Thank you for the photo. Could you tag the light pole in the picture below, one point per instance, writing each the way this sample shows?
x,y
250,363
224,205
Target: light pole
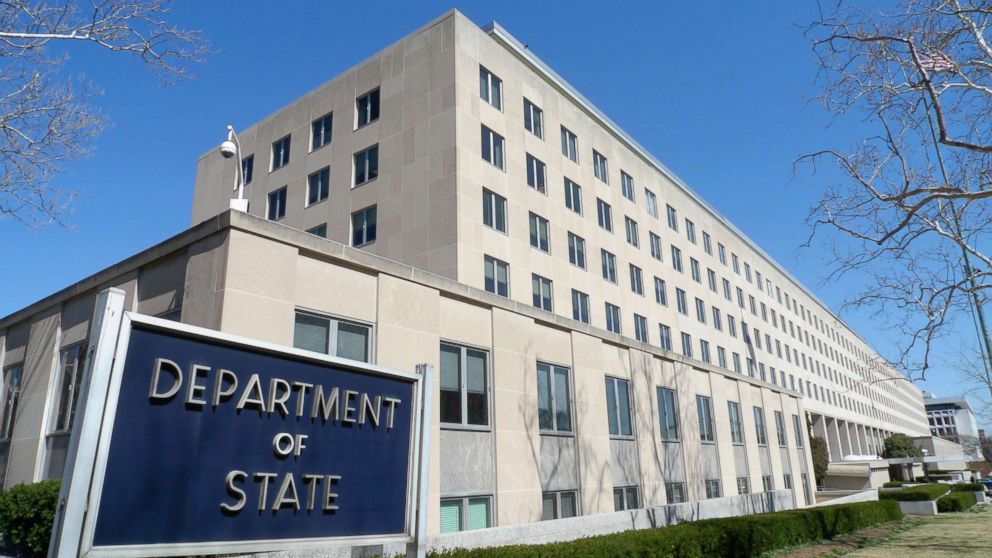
x,y
231,147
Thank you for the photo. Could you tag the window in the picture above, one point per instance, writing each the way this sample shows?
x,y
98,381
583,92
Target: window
x,y
536,172
636,282
736,422
726,290
717,323
569,144
705,412
318,186
558,505
668,414
363,226
493,210
464,514
599,166
320,131
366,165
277,204
533,119
721,355
660,294
736,263
247,168
680,301
652,203
280,153
795,423
780,429
576,250
542,292
722,251
743,485
787,481
492,148
580,306
11,397
694,270
711,279
700,311
690,231
605,214
759,426
490,88
367,108
331,336
609,266
675,492
673,219
627,186
767,484
618,406
573,196
712,488
70,374
655,242
539,233
641,328
665,333
687,345
704,351
676,258
553,401
737,363
632,237
319,230
464,386
707,243
497,276
613,318
625,498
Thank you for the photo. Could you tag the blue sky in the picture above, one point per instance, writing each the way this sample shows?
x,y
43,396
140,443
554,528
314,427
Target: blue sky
x,y
719,91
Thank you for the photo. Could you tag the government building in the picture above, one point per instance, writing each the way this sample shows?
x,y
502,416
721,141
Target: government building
x,y
604,340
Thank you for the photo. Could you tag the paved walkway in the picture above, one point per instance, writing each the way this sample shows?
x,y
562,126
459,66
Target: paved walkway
x,y
954,534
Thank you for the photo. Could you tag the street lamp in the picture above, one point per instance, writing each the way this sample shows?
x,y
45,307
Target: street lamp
x,y
231,147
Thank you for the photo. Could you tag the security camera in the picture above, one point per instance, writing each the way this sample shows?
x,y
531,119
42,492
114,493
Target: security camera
x,y
228,150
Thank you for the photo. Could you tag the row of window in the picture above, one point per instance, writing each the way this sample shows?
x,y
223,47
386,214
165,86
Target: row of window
x,y
494,150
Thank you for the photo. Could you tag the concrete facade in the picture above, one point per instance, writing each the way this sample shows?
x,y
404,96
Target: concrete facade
x,y
247,276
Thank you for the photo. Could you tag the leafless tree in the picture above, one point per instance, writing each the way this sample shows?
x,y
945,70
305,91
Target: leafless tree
x,y
908,206
45,119
985,444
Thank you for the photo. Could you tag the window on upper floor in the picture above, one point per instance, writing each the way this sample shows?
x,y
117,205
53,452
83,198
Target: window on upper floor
x,y
573,196
332,336
604,214
633,238
367,165
277,204
576,250
280,153
673,218
580,306
569,144
541,290
497,276
493,210
599,166
533,119
613,318
363,226
539,234
651,201
536,172
318,186
492,148
248,168
320,131
367,108
490,88
627,185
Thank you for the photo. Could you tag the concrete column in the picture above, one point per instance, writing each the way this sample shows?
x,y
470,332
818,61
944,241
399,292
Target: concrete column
x,y
833,440
820,430
857,447
844,434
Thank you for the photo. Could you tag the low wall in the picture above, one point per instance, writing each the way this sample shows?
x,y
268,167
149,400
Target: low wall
x,y
919,508
571,528
849,498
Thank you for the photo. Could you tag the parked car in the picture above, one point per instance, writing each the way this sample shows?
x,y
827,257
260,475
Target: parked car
x,y
987,483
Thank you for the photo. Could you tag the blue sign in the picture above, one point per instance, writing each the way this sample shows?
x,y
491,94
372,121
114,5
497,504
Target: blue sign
x,y
217,442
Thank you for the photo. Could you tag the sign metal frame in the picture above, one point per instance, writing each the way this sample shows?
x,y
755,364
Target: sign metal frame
x,y
84,476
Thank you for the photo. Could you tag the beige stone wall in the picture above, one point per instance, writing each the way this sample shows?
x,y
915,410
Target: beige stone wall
x,y
414,192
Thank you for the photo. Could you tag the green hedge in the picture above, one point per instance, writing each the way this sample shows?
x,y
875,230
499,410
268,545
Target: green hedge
x,y
921,493
27,512
956,502
968,487
893,484
734,537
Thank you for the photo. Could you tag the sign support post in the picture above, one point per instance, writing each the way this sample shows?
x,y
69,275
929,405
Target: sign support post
x,y
418,548
105,328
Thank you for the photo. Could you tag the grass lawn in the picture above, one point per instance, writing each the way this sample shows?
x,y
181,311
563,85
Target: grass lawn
x,y
954,534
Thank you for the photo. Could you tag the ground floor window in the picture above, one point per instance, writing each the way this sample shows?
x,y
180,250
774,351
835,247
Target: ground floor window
x,y
625,498
743,486
331,336
787,481
675,491
464,514
767,485
806,490
558,505
713,488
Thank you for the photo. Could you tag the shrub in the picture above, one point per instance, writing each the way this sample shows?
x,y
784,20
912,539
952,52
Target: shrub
x,y
818,451
956,501
27,512
899,445
893,484
732,537
916,494
968,487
